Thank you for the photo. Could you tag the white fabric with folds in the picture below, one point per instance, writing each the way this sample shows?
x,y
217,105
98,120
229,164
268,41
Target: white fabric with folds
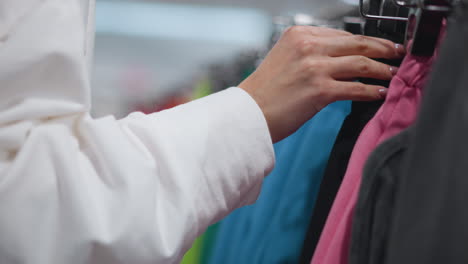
x,y
77,190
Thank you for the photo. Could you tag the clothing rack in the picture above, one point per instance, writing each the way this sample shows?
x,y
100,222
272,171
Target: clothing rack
x,y
424,21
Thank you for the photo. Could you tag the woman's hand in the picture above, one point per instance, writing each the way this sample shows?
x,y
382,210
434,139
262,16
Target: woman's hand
x,y
311,67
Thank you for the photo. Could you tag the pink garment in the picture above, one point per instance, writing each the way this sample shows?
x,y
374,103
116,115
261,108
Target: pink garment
x,y
397,113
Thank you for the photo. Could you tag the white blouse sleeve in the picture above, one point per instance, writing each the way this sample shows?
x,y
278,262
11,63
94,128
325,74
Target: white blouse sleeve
x,y
137,190
209,157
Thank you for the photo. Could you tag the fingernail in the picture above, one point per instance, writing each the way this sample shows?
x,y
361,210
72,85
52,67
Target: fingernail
x,y
400,49
393,70
383,92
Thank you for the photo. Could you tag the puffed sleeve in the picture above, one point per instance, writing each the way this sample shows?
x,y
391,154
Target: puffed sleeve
x,y
202,160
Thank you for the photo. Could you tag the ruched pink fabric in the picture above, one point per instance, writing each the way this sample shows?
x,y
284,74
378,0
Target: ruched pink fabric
x,y
397,113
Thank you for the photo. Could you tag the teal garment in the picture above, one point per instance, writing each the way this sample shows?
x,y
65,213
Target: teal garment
x,y
273,229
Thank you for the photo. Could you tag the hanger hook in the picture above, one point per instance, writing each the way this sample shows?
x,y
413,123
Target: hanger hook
x,y
390,18
403,3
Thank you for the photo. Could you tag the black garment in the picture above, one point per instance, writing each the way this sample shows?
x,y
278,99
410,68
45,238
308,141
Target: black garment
x,y
374,207
431,205
361,113
412,206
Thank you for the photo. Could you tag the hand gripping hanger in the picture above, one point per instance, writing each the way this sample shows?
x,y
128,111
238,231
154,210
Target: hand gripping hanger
x,y
424,22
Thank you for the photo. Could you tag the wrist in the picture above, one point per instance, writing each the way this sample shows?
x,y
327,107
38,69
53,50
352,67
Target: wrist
x,y
249,86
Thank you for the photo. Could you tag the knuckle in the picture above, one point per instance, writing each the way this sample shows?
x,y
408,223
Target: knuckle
x,y
314,66
359,89
360,39
310,65
363,65
314,29
362,45
362,48
294,30
305,47
318,86
364,69
296,36
361,59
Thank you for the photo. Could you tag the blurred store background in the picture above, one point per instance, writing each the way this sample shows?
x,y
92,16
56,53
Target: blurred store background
x,y
151,55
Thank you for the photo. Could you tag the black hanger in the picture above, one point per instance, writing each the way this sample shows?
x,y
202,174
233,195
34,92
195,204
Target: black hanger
x,y
392,30
424,25
424,22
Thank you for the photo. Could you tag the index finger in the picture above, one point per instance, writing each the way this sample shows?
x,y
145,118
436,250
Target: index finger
x,y
328,32
365,46
318,31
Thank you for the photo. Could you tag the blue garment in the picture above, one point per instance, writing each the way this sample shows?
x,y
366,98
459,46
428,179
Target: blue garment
x,y
273,229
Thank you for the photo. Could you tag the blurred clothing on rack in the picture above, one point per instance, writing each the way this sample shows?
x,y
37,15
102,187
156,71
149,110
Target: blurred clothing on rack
x,y
413,203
